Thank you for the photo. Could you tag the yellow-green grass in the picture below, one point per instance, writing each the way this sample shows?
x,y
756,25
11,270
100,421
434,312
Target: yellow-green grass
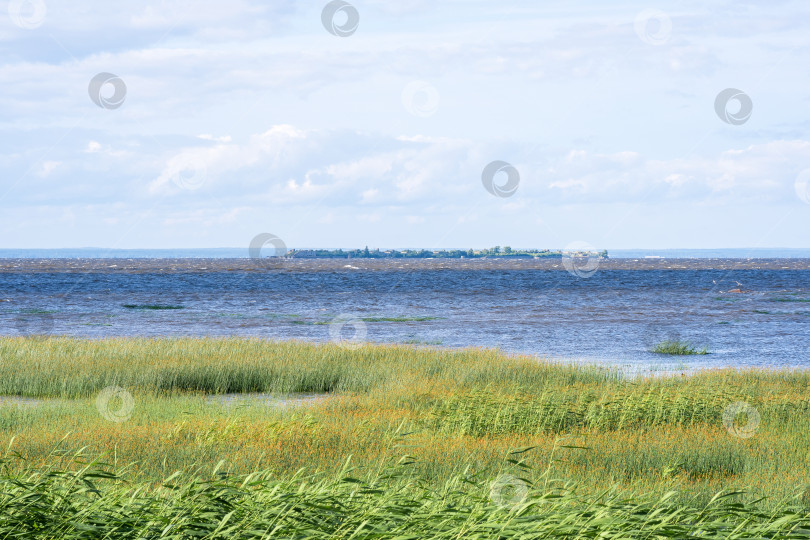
x,y
62,367
457,415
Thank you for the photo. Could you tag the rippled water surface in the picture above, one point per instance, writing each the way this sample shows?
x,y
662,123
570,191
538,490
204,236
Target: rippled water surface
x,y
746,313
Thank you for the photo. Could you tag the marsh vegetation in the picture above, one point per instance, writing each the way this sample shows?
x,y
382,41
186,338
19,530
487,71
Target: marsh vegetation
x,y
405,442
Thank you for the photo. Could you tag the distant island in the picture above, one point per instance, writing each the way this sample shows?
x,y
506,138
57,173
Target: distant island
x,y
495,252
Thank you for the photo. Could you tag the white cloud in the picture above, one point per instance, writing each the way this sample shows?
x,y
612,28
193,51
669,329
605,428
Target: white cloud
x,y
208,137
373,217
255,106
762,171
370,195
419,171
47,167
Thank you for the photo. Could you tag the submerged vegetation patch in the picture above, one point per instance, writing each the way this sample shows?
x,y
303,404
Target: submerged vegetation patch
x,y
398,319
678,348
370,320
151,306
419,341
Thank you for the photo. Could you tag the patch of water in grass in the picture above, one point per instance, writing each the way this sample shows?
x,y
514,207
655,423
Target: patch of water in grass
x,y
20,401
239,399
270,400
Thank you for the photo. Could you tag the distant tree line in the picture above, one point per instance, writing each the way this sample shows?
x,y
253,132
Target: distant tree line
x,y
495,252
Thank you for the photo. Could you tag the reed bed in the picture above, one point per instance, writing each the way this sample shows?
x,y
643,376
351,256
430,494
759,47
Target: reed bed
x,y
411,443
68,368
96,503
678,348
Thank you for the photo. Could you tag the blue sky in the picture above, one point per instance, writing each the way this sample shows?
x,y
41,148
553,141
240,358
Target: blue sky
x,y
247,117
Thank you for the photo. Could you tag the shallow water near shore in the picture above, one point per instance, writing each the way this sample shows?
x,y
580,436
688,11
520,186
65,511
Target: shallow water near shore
x,y
270,400
22,402
747,313
285,401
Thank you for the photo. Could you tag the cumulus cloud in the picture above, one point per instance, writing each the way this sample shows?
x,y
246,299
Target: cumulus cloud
x,y
763,172
47,167
253,106
298,166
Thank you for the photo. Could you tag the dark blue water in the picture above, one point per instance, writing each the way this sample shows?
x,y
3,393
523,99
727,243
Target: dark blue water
x,y
613,317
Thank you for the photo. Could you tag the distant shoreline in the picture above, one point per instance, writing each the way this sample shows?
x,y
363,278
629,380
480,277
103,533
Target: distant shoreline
x,y
213,265
554,253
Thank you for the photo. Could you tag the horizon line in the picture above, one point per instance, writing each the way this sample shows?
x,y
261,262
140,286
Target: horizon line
x,y
99,248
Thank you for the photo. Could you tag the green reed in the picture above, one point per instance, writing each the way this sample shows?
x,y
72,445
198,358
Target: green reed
x,y
678,348
97,502
611,456
64,367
